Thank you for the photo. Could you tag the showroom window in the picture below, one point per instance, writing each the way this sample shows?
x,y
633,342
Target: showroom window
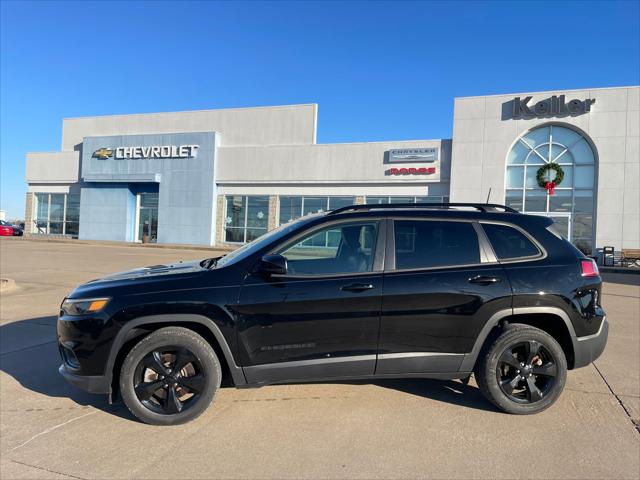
x,y
370,200
246,217
572,205
56,214
292,208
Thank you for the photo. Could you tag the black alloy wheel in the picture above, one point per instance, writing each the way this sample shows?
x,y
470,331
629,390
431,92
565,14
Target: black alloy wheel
x,y
522,370
169,380
526,372
170,376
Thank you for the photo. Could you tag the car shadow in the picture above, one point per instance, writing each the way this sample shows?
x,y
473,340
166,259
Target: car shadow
x,y
453,392
29,354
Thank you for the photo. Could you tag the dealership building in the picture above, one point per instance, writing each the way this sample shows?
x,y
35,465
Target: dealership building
x,y
225,177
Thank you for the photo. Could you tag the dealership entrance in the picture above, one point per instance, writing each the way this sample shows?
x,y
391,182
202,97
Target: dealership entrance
x,y
147,217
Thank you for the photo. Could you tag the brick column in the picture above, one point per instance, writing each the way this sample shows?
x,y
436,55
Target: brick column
x,y
273,212
220,220
28,214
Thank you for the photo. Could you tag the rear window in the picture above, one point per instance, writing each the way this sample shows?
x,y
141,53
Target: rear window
x,y
508,242
426,244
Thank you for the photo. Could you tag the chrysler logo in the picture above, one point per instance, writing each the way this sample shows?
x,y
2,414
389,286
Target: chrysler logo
x,y
103,153
412,155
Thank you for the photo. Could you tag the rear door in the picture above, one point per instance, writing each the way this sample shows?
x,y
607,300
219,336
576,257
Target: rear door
x,y
441,284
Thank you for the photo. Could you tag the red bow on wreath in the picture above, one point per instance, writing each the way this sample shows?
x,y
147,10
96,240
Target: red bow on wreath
x,y
551,187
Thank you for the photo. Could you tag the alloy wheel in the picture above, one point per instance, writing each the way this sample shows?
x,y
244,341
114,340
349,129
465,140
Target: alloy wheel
x,y
526,372
169,380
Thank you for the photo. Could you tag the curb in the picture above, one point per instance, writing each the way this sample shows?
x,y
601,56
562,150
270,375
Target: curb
x,y
106,243
620,270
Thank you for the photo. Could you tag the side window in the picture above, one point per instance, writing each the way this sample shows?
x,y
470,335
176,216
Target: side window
x,y
345,248
425,244
509,242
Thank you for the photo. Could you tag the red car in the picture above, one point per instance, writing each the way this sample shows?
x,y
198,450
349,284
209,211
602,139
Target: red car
x,y
8,230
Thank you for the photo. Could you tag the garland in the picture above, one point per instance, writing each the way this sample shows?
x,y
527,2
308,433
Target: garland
x,y
550,185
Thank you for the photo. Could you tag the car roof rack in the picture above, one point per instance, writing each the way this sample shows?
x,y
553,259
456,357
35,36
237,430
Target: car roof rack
x,y
482,207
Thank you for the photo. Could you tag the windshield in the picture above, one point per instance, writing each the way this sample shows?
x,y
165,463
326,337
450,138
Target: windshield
x,y
261,242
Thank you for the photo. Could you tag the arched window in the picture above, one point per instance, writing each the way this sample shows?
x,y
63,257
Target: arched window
x,y
572,205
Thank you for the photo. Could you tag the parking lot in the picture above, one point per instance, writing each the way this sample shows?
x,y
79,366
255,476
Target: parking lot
x,y
388,429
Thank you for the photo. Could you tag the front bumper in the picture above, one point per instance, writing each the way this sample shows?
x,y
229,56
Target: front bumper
x,y
90,383
589,348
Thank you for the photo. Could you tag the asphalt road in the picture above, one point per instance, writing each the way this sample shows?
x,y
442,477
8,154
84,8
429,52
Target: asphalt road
x,y
390,429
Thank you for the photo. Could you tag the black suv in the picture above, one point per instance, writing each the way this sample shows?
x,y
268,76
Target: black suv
x,y
361,292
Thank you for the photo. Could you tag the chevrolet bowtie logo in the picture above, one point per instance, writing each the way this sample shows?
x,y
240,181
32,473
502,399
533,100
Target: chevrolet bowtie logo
x,y
103,153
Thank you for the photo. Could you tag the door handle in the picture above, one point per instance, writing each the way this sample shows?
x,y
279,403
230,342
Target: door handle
x,y
356,287
484,280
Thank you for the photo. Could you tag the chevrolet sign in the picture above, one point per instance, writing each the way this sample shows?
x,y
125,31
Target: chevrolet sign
x,y
164,151
103,153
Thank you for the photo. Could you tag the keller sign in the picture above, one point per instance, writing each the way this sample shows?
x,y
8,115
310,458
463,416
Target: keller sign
x,y
554,106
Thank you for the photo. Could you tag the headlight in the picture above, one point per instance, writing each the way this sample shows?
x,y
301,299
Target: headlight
x,y
83,306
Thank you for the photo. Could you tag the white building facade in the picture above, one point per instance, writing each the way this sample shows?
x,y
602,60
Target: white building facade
x,y
217,177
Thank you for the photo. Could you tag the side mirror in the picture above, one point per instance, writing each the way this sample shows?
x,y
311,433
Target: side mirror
x,y
272,264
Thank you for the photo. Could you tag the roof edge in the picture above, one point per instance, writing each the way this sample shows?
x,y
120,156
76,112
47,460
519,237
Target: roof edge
x,y
315,105
547,91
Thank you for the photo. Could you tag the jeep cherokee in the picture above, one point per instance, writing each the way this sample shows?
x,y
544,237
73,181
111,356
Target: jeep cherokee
x,y
362,292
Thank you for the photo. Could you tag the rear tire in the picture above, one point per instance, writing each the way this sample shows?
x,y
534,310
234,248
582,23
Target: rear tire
x,y
522,371
170,377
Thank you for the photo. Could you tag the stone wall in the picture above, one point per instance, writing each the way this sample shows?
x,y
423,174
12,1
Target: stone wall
x,y
28,214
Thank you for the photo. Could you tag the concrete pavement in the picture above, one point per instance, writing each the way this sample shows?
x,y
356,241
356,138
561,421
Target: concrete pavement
x,y
388,429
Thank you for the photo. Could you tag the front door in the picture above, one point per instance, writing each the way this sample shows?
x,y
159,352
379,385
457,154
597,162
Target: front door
x,y
147,225
321,319
440,287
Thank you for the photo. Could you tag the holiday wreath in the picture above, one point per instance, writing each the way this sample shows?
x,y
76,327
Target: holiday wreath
x,y
550,184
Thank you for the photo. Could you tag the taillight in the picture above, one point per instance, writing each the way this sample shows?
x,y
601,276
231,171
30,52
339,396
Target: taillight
x,y
589,268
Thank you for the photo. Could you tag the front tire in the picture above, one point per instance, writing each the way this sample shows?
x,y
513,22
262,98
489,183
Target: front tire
x,y
523,371
170,377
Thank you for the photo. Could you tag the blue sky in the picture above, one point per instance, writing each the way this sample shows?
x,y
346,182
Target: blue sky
x,y
378,70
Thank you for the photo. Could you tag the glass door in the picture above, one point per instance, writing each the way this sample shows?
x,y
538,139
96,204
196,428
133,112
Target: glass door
x,y
562,223
147,228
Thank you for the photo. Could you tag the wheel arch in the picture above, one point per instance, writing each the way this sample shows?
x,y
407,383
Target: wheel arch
x,y
134,330
551,320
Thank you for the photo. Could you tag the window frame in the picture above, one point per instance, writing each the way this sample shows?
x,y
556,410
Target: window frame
x,y
245,205
485,251
33,228
301,211
573,164
443,198
542,253
378,248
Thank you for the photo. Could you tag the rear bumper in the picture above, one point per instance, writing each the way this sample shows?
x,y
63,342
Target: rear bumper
x,y
589,348
89,383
